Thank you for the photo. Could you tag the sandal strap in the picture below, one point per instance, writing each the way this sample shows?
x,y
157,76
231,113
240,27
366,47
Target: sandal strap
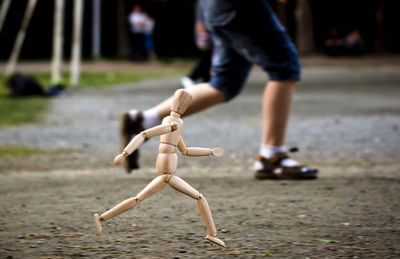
x,y
275,160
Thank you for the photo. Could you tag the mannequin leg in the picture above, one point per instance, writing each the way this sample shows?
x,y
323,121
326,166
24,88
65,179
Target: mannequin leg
x,y
153,187
180,185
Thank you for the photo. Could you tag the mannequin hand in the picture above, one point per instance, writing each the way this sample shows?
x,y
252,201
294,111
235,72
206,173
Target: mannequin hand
x,y
218,152
118,160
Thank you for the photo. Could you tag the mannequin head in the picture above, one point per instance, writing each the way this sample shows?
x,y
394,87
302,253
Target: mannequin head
x,y
181,101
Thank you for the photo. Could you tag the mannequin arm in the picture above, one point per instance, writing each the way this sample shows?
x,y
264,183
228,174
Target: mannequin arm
x,y
141,137
160,130
198,151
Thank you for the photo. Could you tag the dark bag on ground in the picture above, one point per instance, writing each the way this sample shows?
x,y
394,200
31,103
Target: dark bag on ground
x,y
25,85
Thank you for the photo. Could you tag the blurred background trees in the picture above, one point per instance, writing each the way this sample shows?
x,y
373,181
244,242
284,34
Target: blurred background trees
x,y
309,22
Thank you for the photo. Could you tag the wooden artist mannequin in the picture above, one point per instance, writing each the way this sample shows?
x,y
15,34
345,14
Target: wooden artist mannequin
x,y
170,138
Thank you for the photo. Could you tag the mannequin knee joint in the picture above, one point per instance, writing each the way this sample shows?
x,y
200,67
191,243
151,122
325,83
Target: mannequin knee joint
x,y
200,196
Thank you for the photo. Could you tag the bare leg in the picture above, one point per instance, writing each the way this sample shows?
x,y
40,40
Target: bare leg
x,y
180,185
276,106
204,96
153,187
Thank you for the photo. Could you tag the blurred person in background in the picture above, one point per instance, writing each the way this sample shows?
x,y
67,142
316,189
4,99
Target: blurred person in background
x,y
354,43
334,43
138,23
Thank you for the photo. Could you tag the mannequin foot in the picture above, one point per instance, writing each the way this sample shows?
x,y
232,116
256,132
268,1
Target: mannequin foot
x,y
216,240
97,223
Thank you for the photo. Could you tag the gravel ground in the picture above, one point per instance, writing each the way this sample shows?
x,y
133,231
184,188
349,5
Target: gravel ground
x,y
340,116
344,120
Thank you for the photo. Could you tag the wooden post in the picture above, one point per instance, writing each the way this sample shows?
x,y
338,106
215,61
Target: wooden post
x,y
10,68
96,29
123,46
381,44
3,12
58,40
305,31
76,44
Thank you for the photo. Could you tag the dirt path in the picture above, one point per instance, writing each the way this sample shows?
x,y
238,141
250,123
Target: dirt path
x,y
345,121
347,213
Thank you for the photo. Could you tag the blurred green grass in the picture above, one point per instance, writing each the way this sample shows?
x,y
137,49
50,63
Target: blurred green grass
x,y
19,111
30,110
21,151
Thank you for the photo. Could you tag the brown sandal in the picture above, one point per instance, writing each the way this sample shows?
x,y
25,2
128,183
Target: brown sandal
x,y
272,169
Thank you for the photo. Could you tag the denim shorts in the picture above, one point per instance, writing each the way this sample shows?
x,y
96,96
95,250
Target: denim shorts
x,y
247,32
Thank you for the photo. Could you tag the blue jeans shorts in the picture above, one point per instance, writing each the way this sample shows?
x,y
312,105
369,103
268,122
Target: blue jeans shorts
x,y
247,32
